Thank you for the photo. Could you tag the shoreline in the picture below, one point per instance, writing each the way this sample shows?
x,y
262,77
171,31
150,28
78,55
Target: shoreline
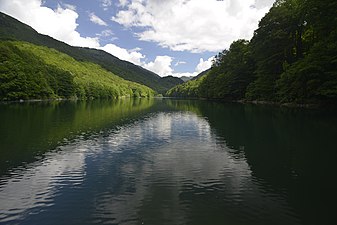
x,y
287,104
254,102
67,99
329,105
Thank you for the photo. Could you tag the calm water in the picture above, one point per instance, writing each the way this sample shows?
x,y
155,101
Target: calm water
x,y
166,162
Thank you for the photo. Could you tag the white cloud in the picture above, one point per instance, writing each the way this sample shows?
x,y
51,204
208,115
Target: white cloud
x,y
161,65
195,26
133,55
179,63
68,6
59,23
123,3
137,49
186,74
203,65
106,33
105,4
95,19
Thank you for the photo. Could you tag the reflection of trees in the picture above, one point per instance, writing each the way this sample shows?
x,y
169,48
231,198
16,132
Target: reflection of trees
x,y
293,150
33,128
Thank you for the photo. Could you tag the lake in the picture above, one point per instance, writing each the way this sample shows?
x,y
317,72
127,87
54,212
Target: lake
x,y
165,161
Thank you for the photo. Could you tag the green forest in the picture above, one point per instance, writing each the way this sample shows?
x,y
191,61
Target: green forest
x,y
292,58
13,30
29,71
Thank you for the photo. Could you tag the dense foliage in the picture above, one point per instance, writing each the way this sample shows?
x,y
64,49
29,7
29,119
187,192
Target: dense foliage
x,y
29,71
12,29
291,58
190,88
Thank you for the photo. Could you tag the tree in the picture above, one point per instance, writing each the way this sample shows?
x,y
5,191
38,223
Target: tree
x,y
276,42
231,72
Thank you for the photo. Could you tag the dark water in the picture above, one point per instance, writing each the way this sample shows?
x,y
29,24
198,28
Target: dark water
x,y
166,162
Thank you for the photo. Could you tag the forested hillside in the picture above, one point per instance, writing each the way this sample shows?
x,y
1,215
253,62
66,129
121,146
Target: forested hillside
x,y
29,71
12,29
292,58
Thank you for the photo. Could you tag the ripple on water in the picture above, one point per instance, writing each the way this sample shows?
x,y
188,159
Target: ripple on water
x,y
32,190
167,169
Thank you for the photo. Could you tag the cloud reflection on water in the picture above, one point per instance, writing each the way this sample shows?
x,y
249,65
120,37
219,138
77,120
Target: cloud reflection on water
x,y
170,168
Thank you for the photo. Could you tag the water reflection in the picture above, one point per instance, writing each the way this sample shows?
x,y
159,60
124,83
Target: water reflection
x,y
291,152
176,162
32,190
29,129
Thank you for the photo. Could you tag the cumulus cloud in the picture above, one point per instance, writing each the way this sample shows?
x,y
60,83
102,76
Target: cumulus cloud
x,y
61,23
200,67
186,74
161,65
149,14
95,19
204,65
123,3
196,26
132,55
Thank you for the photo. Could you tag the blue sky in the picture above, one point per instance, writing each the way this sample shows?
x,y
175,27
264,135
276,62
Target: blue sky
x,y
168,37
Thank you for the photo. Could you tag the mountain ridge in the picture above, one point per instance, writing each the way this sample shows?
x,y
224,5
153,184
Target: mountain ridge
x,y
29,71
13,29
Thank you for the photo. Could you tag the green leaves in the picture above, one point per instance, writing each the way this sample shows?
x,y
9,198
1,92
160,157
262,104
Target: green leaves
x,y
313,78
11,29
291,58
34,72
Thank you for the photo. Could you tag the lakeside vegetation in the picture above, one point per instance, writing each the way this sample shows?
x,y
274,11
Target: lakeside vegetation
x,y
292,58
13,30
29,71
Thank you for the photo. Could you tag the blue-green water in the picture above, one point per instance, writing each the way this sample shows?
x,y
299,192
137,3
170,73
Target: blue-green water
x,y
163,161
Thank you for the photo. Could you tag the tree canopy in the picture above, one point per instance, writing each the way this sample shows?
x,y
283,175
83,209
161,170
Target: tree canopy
x,y
29,71
292,58
12,29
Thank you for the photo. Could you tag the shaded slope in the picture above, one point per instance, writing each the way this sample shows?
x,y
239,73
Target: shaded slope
x,y
170,80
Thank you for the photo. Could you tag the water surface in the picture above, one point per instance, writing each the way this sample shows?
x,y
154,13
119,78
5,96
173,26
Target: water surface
x,y
163,161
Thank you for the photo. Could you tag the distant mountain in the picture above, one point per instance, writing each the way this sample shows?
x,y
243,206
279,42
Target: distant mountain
x,y
12,29
186,78
171,80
